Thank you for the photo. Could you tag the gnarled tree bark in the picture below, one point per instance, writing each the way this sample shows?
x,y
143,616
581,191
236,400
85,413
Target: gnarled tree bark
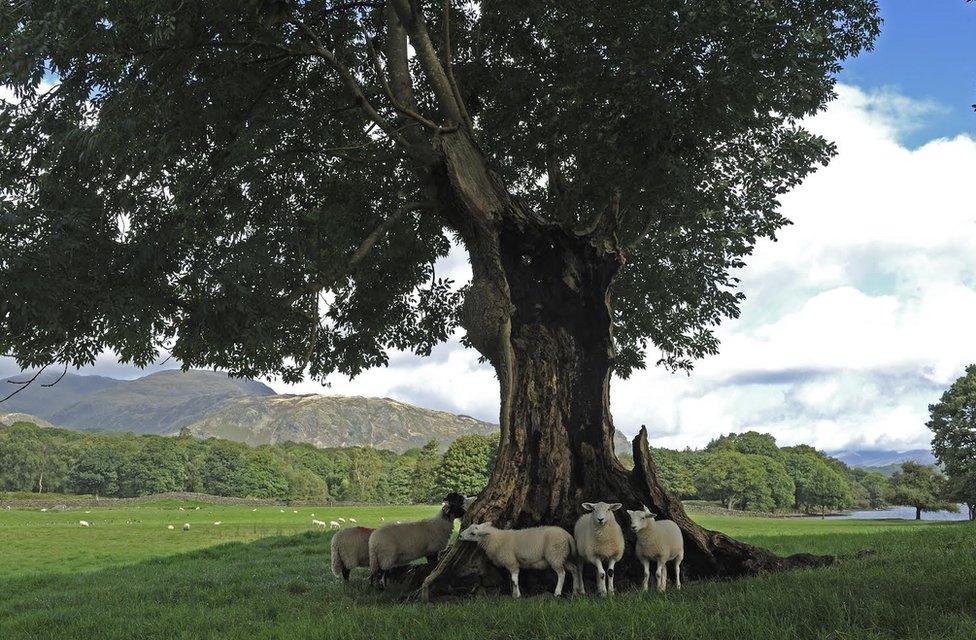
x,y
539,309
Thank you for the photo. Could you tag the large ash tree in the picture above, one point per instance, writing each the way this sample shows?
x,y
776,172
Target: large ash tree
x,y
264,186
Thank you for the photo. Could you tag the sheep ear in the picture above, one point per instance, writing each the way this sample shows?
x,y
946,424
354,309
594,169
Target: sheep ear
x,y
587,506
646,510
614,506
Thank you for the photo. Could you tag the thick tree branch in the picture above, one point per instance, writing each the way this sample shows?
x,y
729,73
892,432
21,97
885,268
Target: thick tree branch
x,y
410,113
449,68
352,84
416,26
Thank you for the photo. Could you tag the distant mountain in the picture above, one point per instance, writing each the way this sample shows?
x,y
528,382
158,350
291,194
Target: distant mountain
x,y
211,404
882,457
334,421
38,400
10,418
161,402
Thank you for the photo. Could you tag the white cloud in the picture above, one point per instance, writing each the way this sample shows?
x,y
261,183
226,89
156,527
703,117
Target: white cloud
x,y
855,320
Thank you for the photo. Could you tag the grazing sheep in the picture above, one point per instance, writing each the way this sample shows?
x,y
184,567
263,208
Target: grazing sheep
x,y
171,527
84,523
350,549
196,508
397,544
599,539
253,510
186,527
532,548
218,523
660,541
382,519
318,523
281,510
182,509
340,519
294,512
353,520
43,510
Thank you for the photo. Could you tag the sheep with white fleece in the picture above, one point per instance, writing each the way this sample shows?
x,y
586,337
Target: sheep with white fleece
x,y
660,541
350,549
600,539
398,544
531,548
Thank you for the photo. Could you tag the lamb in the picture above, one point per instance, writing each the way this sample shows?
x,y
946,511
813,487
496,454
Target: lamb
x,y
350,549
661,541
532,548
599,539
84,523
397,544
334,524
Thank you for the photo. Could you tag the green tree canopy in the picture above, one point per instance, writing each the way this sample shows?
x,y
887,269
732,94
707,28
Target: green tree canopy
x,y
826,488
198,174
953,424
922,487
466,465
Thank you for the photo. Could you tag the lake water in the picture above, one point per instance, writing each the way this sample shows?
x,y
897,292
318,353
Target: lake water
x,y
906,513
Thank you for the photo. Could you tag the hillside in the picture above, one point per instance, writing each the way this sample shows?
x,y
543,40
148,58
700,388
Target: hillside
x,y
161,402
334,421
872,458
11,418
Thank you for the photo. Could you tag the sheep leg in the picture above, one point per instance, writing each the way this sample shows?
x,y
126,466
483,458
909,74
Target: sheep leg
x,y
610,564
560,578
574,570
515,588
677,572
662,574
601,577
647,573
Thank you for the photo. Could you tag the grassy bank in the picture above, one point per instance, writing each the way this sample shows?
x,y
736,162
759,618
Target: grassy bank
x,y
263,574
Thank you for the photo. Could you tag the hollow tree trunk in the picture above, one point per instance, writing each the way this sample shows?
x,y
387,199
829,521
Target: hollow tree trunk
x,y
539,309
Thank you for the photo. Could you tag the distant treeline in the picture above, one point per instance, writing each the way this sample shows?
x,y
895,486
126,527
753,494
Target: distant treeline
x,y
39,459
749,471
745,471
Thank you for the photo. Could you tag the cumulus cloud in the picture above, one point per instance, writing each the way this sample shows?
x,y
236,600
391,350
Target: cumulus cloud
x,y
856,318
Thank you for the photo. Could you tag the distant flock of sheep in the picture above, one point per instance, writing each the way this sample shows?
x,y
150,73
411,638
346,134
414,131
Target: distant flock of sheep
x,y
598,539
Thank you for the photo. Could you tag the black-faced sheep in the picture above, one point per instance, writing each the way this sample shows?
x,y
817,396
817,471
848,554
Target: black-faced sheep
x,y
398,544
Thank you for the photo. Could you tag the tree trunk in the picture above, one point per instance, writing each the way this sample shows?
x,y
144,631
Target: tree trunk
x,y
918,513
539,310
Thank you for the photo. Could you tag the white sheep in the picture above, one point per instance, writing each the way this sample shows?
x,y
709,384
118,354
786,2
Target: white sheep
x,y
182,509
334,524
350,549
382,519
661,541
393,545
171,527
532,548
186,527
599,539
84,523
43,510
340,519
218,523
318,523
353,520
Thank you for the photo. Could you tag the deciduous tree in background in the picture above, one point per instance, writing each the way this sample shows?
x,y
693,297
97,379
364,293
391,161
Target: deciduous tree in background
x,y
953,425
264,186
922,487
826,489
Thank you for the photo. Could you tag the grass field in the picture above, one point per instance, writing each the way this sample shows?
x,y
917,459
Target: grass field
x,y
264,574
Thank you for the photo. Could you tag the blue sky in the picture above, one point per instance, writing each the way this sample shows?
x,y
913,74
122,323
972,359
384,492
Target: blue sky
x,y
860,314
927,51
